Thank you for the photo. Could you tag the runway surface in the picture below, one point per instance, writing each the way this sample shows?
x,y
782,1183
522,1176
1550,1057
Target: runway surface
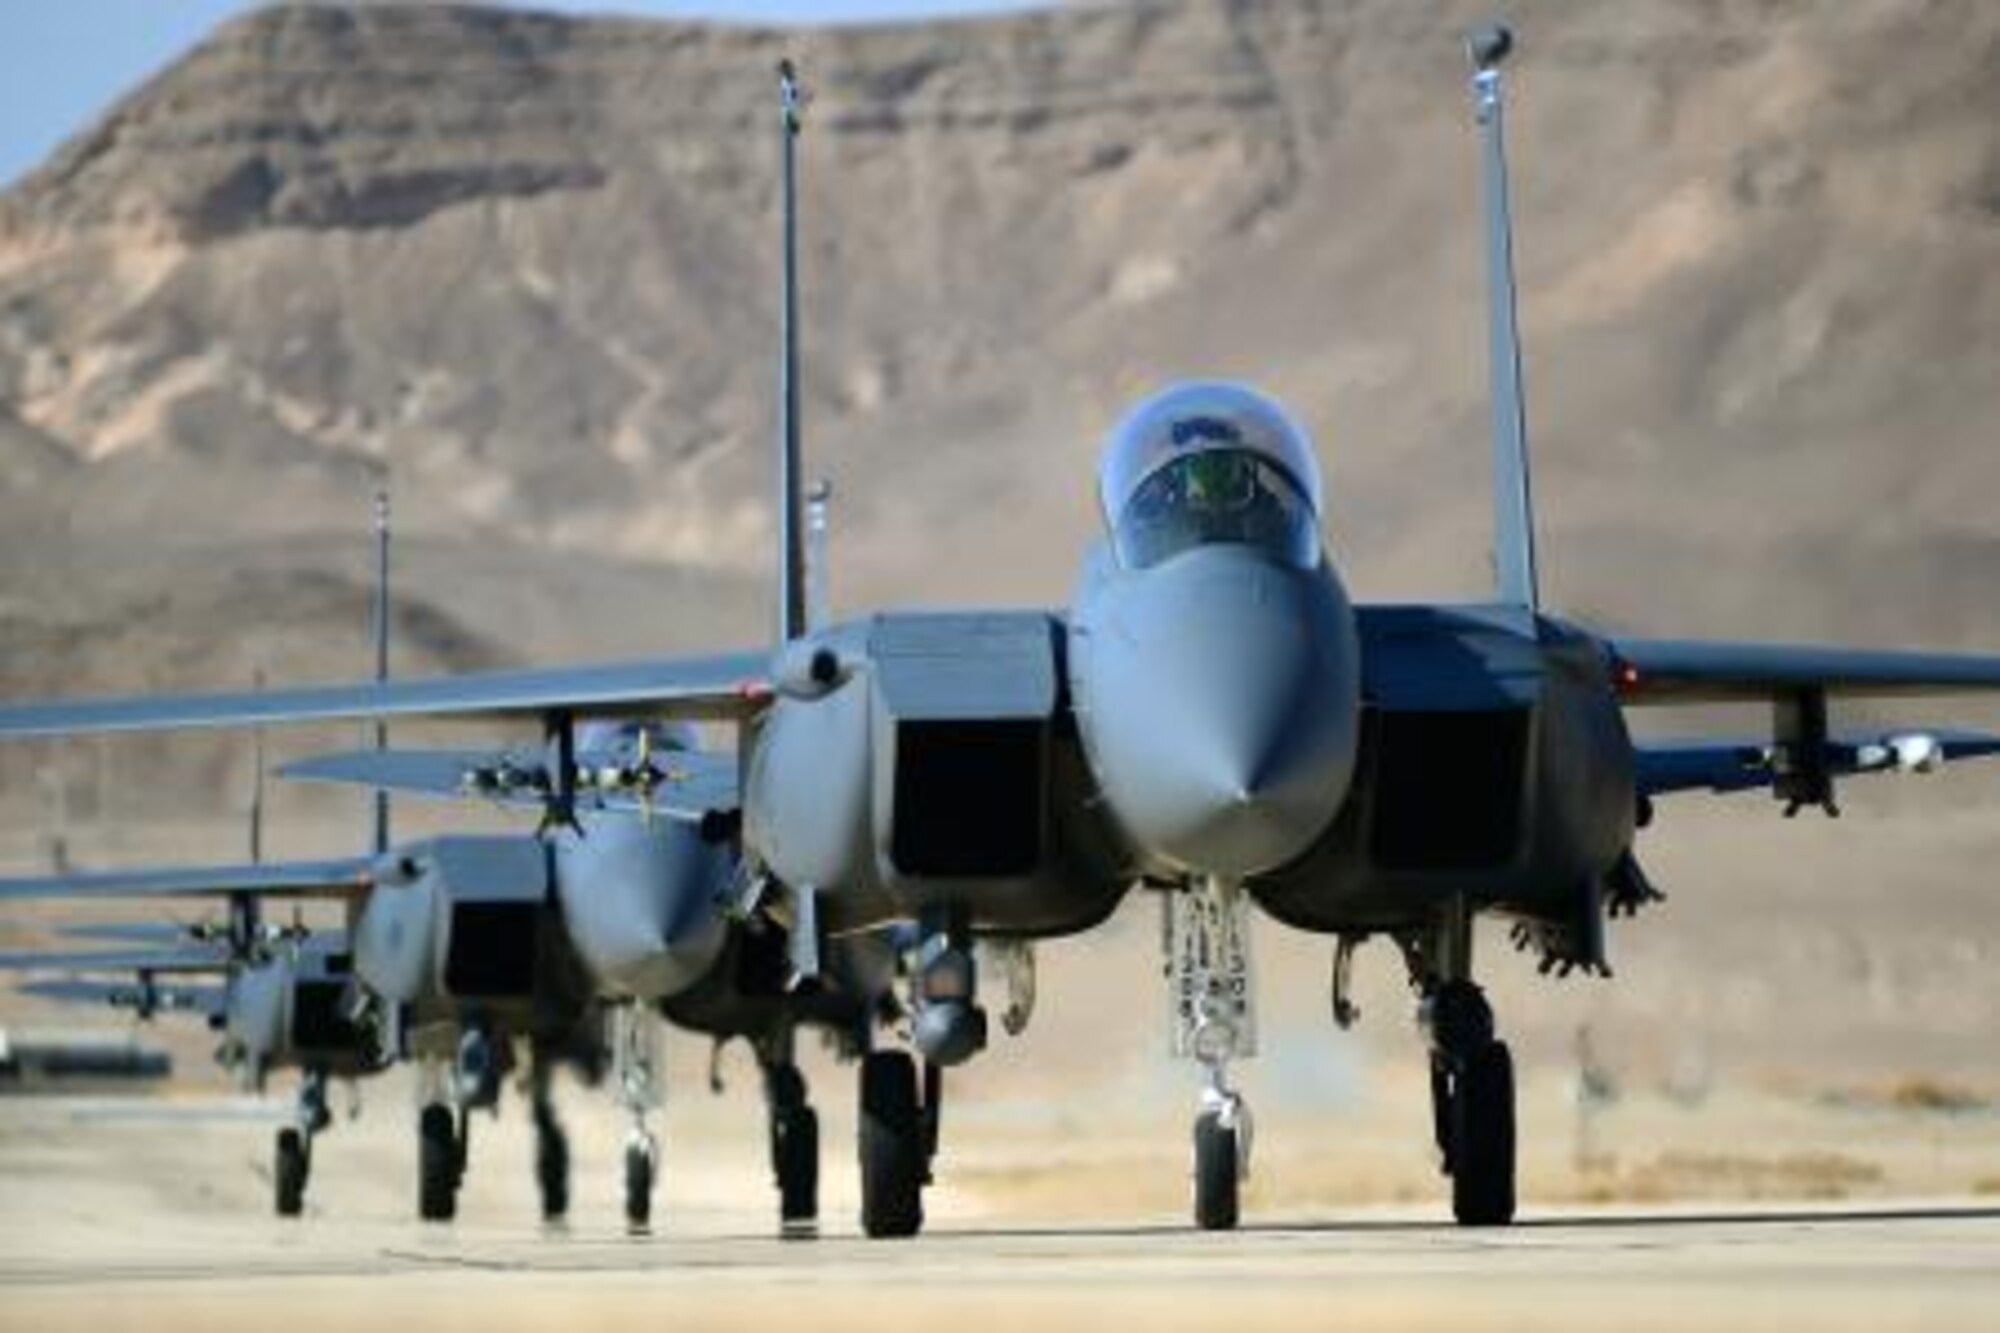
x,y
1903,1267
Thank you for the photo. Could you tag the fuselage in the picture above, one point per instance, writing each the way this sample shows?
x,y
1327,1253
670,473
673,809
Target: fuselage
x,y
1212,707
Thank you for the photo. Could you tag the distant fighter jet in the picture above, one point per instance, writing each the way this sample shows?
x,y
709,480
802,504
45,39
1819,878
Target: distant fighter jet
x,y
1212,718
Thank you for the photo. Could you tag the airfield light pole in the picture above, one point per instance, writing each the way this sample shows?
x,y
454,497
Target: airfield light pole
x,y
1514,510
791,592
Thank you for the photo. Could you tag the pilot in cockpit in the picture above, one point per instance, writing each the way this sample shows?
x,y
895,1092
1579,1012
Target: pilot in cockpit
x,y
1210,463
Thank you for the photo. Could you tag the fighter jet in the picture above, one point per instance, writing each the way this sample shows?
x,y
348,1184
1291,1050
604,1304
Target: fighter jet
x,y
458,948
1212,717
278,997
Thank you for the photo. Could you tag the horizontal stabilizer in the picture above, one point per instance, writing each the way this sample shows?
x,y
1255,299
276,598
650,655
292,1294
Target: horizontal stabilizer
x,y
194,958
721,688
132,995
279,879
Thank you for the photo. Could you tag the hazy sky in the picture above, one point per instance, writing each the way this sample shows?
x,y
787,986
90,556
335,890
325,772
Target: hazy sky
x,y
62,61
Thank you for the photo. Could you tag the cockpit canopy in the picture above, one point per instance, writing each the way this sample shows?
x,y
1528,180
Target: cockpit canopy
x,y
1206,463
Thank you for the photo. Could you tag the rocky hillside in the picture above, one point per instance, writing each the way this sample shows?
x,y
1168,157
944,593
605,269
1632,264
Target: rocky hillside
x,y
522,266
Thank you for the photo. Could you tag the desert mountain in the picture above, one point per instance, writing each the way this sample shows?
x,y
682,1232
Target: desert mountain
x,y
522,266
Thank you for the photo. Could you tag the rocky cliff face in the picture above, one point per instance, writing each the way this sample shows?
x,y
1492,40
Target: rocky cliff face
x,y
523,266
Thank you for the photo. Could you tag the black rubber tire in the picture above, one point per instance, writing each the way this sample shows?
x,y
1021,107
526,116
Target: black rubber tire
x,y
640,1173
893,1161
551,1164
1482,1156
440,1164
289,1170
1441,1110
1216,1174
795,1157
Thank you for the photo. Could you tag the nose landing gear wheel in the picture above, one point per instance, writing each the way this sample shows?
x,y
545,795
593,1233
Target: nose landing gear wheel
x,y
289,1171
640,1173
440,1164
1216,1174
1482,1139
893,1161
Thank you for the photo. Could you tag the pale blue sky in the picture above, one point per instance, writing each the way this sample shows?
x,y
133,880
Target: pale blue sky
x,y
63,61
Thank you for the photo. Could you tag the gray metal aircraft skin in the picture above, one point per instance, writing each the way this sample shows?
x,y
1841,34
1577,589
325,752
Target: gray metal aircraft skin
x,y
1213,717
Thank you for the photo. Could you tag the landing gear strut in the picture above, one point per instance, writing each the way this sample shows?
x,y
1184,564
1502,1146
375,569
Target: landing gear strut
x,y
894,1156
291,1164
1207,941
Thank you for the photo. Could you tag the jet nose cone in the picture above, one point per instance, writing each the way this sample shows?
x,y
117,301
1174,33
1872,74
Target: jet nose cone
x,y
1221,705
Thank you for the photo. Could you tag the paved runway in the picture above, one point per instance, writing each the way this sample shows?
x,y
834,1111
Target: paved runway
x,y
1913,1267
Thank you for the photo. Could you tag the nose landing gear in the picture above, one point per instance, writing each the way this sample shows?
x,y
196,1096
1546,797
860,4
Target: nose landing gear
x,y
291,1164
635,1074
1207,940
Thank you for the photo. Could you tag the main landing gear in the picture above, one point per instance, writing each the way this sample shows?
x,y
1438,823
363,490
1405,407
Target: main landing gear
x,y
443,1139
1472,1075
794,1142
551,1143
1206,936
291,1165
444,1124
898,1138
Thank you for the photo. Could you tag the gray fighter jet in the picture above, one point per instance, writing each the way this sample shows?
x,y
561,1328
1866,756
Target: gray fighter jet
x,y
278,997
1214,718
459,947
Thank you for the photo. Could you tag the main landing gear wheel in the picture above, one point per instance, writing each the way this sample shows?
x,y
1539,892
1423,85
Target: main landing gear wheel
x,y
440,1163
551,1163
289,1171
1217,1172
794,1149
1481,1156
641,1171
893,1160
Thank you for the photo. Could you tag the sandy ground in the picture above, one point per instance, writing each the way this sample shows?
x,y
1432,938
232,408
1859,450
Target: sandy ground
x,y
1773,1150
1750,1211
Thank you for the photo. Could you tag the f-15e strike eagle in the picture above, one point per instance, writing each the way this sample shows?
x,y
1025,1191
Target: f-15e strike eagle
x,y
1212,718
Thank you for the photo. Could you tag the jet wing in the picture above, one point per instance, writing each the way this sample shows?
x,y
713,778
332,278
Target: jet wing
x,y
158,933
1747,765
687,783
279,879
210,959
132,995
1656,671
720,688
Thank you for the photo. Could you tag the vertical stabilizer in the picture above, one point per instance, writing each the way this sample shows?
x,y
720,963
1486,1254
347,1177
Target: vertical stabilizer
x,y
379,829
1513,496
791,526
819,593
257,784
